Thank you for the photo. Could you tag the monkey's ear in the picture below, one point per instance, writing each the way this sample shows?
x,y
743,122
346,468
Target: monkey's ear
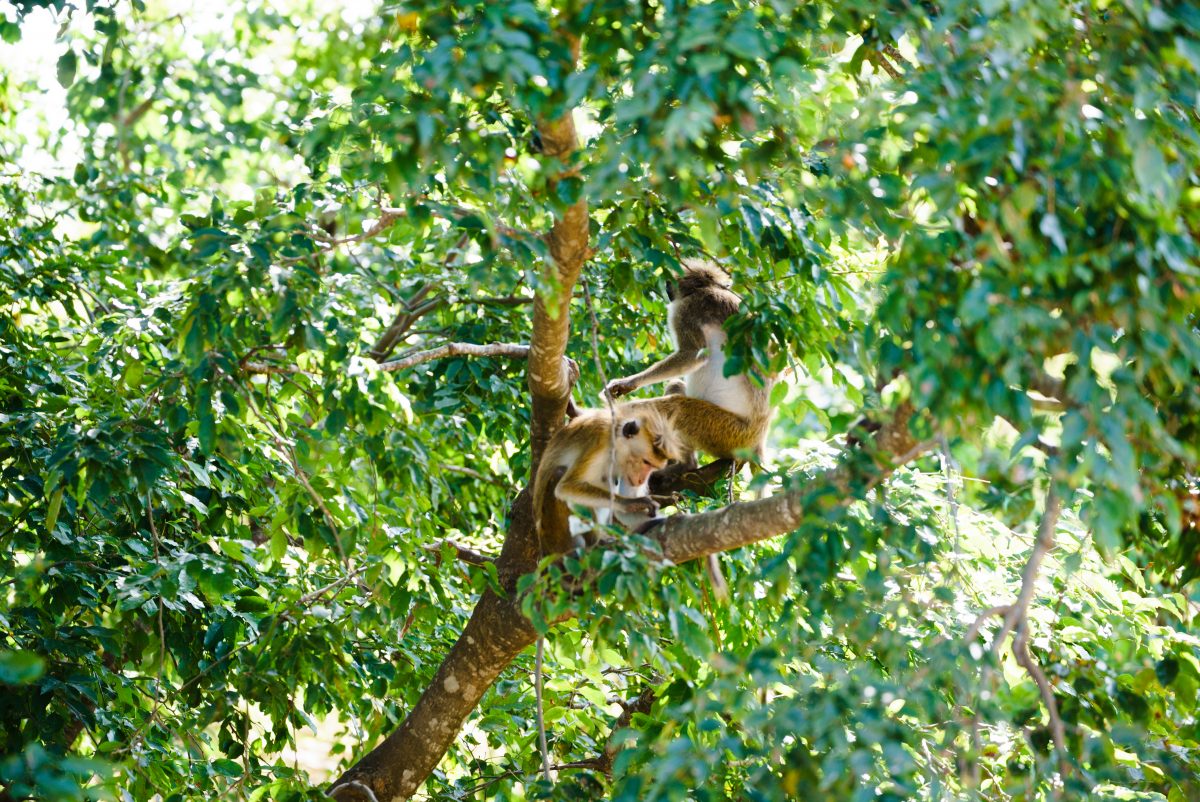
x,y
630,428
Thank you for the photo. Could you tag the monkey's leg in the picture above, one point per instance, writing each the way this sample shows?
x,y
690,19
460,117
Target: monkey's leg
x,y
708,427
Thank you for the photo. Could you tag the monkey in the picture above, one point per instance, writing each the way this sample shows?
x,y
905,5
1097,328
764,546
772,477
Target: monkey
x,y
599,457
725,416
700,303
644,442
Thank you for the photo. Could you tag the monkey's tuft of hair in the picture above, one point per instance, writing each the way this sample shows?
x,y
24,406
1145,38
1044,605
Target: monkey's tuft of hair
x,y
699,274
666,442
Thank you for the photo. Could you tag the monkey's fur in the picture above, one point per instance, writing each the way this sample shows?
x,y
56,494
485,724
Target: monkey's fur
x,y
701,302
645,442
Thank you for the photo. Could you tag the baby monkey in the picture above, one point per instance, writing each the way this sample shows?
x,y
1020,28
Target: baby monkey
x,y
638,442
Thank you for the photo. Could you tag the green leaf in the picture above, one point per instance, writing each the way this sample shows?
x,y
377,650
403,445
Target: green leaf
x,y
20,668
569,190
52,508
67,64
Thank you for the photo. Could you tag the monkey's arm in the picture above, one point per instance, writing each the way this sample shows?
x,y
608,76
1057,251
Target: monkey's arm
x,y
585,494
688,357
677,364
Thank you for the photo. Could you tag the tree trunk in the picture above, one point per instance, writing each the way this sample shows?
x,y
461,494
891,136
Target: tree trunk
x,y
395,770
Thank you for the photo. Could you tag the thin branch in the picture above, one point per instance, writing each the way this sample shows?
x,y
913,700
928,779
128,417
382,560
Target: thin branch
x,y
880,60
973,630
1020,649
270,369
302,477
457,349
1029,576
162,641
388,217
474,474
463,553
641,704
414,309
138,112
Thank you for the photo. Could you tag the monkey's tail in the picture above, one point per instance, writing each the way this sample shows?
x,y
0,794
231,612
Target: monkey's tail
x,y
539,658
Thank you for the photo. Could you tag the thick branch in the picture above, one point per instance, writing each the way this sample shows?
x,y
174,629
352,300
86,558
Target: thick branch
x,y
497,631
549,381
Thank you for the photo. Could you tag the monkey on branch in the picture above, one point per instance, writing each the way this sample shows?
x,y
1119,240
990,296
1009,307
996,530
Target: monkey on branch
x,y
605,457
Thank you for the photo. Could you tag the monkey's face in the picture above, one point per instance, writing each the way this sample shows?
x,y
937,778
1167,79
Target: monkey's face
x,y
645,451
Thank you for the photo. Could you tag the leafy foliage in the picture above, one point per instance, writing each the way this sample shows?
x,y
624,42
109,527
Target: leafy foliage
x,y
224,517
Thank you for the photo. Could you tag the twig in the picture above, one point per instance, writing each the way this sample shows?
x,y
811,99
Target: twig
x,y
1020,650
302,477
467,555
539,658
162,641
302,602
1029,576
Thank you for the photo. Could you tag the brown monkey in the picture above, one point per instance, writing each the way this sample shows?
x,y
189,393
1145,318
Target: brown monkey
x,y
644,442
701,302
722,415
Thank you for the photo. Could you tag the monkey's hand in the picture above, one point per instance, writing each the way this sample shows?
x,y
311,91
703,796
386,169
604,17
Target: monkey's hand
x,y
641,505
619,387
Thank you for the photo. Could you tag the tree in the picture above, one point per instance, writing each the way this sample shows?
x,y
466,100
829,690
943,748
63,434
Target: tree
x,y
286,343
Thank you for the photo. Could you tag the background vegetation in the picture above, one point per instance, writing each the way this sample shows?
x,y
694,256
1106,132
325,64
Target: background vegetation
x,y
240,500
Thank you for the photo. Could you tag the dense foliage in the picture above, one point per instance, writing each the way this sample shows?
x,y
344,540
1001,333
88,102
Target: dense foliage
x,y
225,520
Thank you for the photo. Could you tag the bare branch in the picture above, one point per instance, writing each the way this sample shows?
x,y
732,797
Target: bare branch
x,y
474,474
268,368
456,349
414,308
880,60
1058,732
138,112
1029,576
689,537
973,630
463,553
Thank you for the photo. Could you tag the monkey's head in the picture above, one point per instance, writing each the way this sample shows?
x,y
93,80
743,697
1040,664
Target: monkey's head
x,y
645,443
698,274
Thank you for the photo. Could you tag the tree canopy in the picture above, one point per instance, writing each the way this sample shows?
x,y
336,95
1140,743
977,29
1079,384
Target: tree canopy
x,y
293,295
